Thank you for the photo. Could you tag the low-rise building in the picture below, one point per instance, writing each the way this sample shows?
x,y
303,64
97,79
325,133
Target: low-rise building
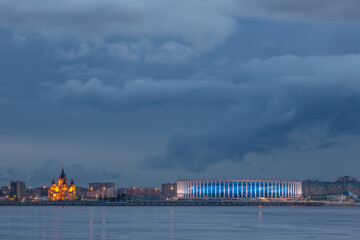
x,y
139,193
342,184
81,192
101,190
5,190
345,196
168,190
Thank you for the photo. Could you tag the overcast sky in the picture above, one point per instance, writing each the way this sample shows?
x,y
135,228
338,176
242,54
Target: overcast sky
x,y
146,92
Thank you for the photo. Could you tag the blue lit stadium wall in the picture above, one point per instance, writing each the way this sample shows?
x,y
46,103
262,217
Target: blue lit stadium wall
x,y
238,189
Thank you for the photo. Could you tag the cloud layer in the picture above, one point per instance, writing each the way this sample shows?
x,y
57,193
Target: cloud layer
x,y
190,85
266,101
156,32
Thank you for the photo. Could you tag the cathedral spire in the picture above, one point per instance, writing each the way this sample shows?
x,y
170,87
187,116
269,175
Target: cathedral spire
x,y
53,182
72,182
62,174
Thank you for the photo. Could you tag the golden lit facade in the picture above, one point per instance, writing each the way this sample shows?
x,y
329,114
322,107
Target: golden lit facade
x,y
62,191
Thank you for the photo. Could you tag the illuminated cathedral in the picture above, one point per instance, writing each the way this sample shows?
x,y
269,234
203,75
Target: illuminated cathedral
x,y
62,191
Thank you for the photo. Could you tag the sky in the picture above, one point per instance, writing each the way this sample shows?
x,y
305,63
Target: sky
x,y
147,92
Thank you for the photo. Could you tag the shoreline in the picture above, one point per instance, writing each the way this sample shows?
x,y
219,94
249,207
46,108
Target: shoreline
x,y
185,203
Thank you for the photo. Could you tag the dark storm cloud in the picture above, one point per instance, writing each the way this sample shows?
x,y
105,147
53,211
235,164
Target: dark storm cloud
x,y
82,176
266,101
284,95
156,32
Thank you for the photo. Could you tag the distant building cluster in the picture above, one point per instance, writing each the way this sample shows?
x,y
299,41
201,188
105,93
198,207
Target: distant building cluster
x,y
101,190
97,191
345,188
342,184
139,193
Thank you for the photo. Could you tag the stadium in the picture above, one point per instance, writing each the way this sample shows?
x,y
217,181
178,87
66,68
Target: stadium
x,y
233,189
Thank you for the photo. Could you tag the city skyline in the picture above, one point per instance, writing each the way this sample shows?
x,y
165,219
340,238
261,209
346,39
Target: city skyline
x,y
141,93
345,188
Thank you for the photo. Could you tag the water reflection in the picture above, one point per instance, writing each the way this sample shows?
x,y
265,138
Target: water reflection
x,y
260,220
174,223
103,237
171,223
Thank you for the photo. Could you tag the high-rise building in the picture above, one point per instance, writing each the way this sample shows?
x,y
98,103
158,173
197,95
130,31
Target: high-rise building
x,y
17,190
62,191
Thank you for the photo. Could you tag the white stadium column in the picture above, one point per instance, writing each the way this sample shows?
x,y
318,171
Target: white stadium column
x,y
233,189
279,183
205,188
246,189
198,189
294,191
255,188
237,190
228,189
215,188
250,189
289,189
212,191
242,189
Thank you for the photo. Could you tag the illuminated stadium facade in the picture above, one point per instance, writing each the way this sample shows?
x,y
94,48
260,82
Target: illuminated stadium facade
x,y
207,189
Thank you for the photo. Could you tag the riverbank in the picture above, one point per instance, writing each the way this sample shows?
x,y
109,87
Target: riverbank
x,y
186,203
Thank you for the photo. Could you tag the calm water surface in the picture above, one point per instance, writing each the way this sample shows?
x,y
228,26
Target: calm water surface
x,y
179,223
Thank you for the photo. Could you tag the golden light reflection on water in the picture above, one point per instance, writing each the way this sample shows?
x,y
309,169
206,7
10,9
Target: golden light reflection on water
x,y
171,223
91,221
260,219
103,236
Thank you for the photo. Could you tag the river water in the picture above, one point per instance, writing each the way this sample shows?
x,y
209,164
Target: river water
x,y
179,223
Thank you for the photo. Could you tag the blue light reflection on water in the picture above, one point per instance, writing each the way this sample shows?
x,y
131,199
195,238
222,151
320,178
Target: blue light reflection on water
x,y
179,223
